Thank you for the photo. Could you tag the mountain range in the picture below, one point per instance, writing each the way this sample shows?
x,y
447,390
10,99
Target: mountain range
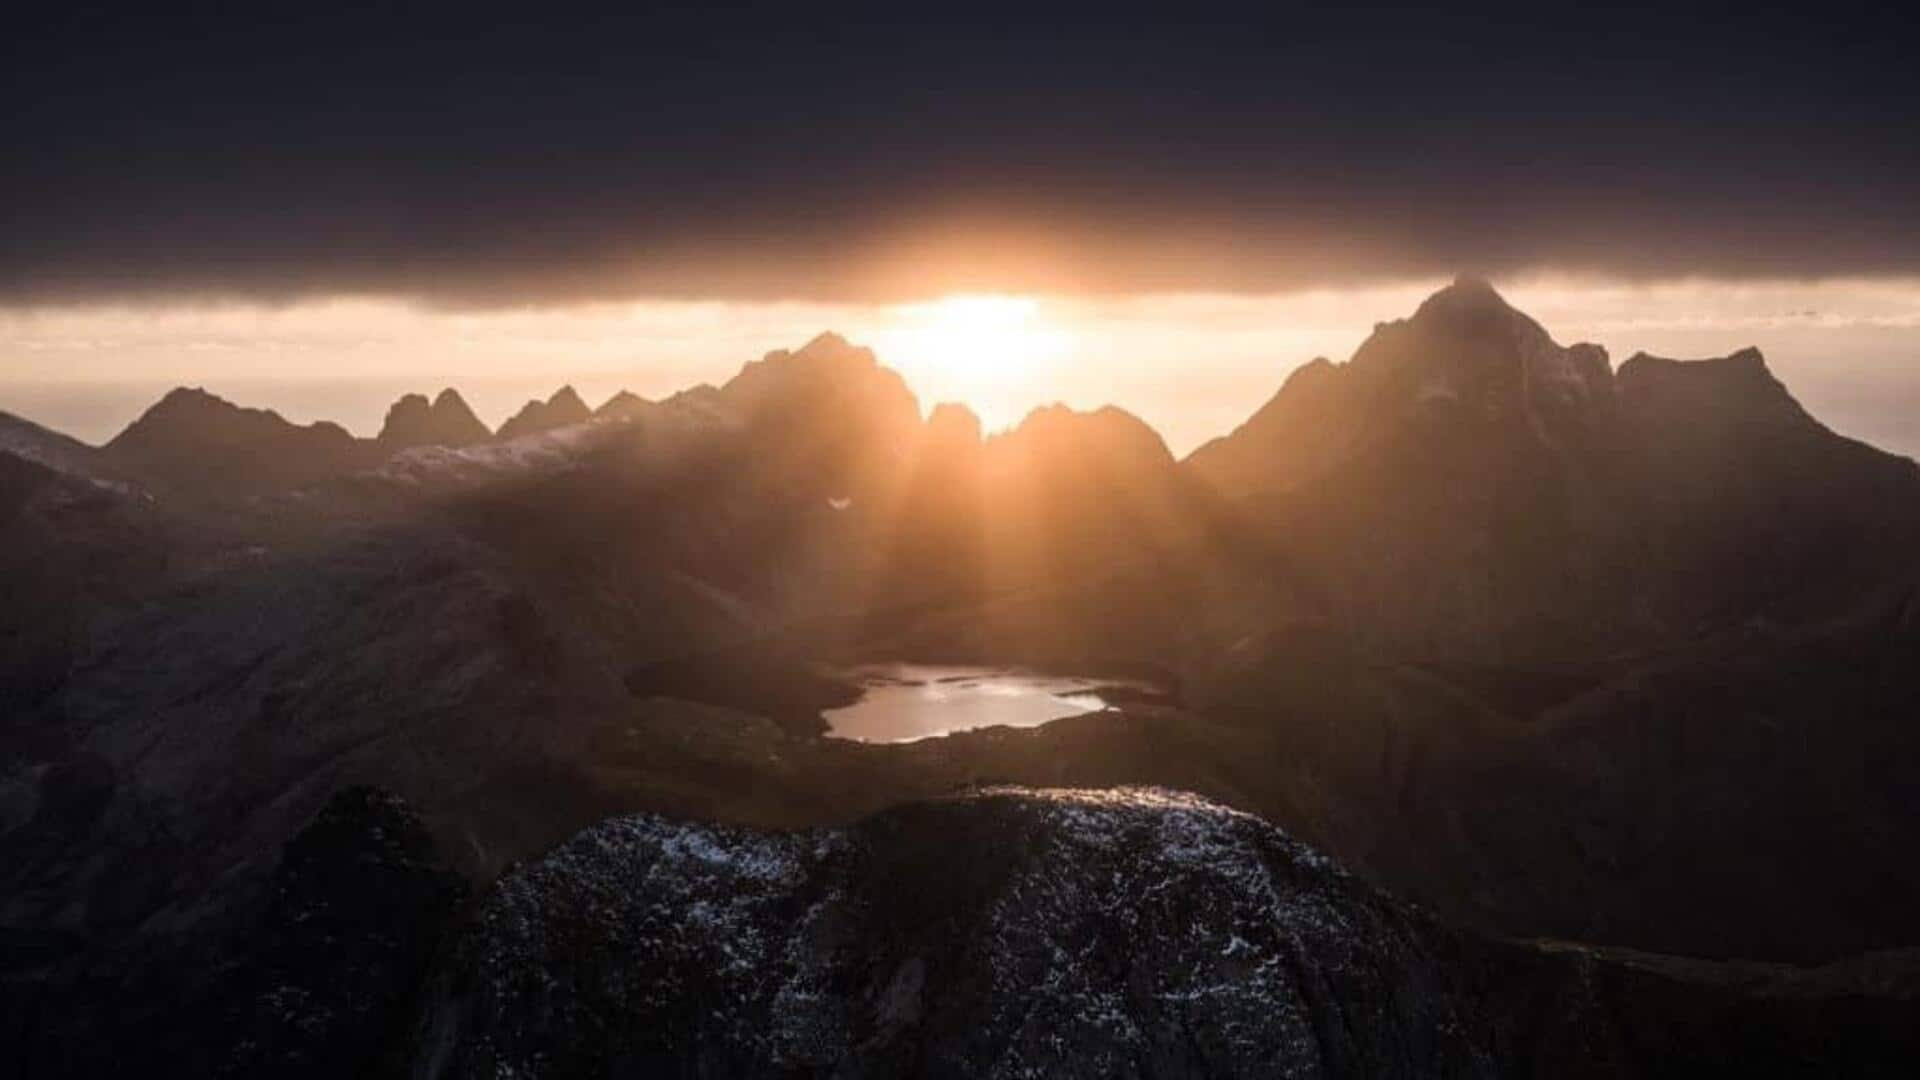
x,y
1540,649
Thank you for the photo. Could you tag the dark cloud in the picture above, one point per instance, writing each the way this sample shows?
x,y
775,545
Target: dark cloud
x,y
479,156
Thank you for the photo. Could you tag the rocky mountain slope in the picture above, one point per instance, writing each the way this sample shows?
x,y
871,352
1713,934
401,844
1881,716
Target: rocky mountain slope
x,y
23,438
1017,932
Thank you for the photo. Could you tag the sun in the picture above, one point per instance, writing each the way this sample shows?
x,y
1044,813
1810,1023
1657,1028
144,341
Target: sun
x,y
996,354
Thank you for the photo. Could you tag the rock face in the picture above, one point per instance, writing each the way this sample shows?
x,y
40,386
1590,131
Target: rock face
x,y
563,409
1016,932
446,421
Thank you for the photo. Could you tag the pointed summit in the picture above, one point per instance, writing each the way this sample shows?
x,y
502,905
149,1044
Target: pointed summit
x,y
827,342
1468,289
563,409
623,405
1465,356
1467,347
447,421
1472,299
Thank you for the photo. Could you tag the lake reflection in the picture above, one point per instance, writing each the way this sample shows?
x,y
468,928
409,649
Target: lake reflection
x,y
904,702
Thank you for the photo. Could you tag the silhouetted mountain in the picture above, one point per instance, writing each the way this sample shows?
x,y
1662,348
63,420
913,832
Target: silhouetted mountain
x,y
1072,493
193,443
447,421
563,409
1465,488
1465,354
826,418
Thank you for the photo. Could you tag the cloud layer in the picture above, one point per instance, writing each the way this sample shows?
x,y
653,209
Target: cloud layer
x,y
469,158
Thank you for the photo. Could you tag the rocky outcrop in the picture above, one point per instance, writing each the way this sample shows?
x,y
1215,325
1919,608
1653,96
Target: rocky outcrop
x,y
1063,933
446,421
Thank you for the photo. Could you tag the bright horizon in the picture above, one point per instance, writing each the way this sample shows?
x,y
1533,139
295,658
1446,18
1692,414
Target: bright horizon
x,y
1193,365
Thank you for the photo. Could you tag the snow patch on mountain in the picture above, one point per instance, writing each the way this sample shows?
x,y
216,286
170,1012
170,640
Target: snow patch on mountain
x,y
544,452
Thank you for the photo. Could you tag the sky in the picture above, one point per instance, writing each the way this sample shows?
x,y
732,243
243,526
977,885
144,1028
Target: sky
x,y
316,209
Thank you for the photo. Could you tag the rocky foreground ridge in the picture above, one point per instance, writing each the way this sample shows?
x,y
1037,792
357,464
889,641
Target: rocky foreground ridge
x,y
999,932
1101,933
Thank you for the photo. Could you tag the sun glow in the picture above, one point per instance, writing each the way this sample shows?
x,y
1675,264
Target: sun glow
x,y
995,354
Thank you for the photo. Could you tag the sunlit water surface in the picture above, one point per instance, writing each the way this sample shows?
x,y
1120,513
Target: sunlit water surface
x,y
904,702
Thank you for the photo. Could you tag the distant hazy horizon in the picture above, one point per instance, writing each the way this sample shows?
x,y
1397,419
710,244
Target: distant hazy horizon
x,y
1194,366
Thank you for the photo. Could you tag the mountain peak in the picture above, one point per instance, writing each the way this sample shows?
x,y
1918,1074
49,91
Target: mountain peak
x,y
1467,296
828,341
446,421
195,440
826,347
822,378
184,406
189,399
563,409
1115,432
1465,354
953,422
624,404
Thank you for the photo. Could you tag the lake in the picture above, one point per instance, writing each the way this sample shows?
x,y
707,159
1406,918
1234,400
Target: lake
x,y
904,702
